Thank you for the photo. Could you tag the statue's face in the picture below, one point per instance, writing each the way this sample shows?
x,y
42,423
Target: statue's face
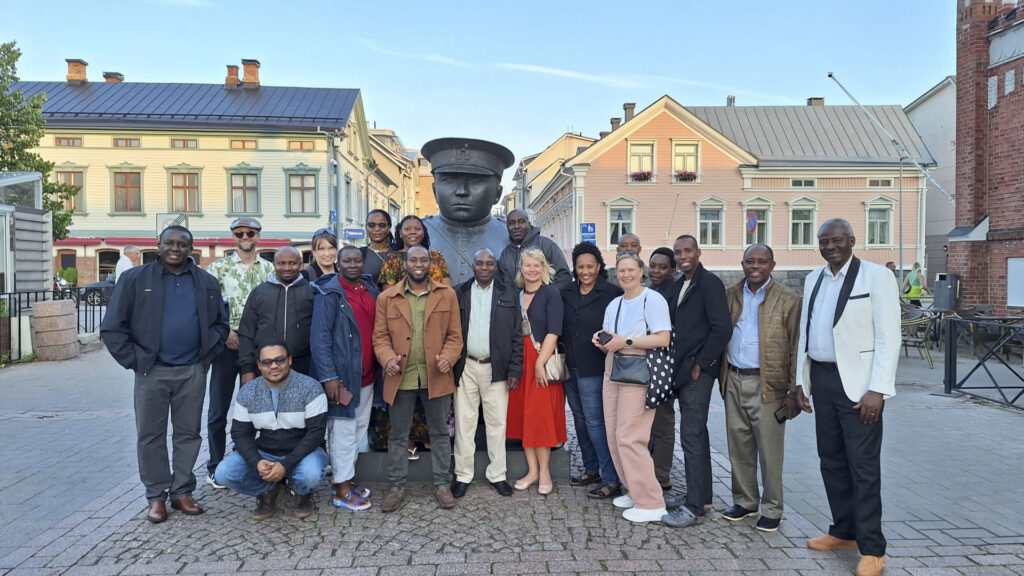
x,y
466,197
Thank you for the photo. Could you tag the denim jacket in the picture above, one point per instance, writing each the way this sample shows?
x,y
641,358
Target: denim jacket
x,y
335,341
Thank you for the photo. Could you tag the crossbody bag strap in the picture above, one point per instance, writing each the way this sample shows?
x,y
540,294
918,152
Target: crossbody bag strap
x,y
526,319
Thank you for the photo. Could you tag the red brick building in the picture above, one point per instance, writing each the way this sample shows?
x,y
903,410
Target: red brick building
x,y
987,246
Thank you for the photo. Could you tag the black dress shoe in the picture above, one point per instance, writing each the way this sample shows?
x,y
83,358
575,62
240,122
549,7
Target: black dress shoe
x,y
459,489
736,513
502,487
157,511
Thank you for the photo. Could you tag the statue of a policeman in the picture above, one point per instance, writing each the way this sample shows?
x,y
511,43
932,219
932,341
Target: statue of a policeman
x,y
467,184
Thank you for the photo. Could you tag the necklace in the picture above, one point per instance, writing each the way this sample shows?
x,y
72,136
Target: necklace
x,y
530,292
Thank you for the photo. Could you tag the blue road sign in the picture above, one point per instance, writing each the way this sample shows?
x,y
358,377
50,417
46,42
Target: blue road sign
x,y
751,222
354,233
588,228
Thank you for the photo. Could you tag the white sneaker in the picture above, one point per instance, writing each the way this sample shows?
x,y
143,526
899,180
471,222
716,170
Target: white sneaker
x,y
213,482
623,501
641,515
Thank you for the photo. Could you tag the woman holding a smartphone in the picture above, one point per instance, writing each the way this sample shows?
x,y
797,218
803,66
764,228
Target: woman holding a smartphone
x,y
635,322
585,302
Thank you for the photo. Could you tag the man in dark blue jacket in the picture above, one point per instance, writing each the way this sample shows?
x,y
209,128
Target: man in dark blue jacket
x,y
702,327
167,321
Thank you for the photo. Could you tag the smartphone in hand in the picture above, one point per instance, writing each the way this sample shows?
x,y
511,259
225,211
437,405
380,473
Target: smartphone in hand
x,y
782,414
603,337
344,396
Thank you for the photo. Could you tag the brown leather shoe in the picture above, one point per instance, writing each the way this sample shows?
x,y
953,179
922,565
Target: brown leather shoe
x,y
157,511
830,542
393,501
303,505
445,498
266,503
187,506
870,566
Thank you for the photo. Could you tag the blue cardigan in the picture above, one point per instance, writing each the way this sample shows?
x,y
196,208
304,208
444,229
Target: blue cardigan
x,y
335,341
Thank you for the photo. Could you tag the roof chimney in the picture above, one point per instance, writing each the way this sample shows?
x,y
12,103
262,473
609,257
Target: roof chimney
x,y
816,101
628,108
730,100
616,122
231,80
602,134
250,74
76,71
113,77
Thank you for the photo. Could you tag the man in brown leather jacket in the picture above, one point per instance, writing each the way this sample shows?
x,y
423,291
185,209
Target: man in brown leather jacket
x,y
758,382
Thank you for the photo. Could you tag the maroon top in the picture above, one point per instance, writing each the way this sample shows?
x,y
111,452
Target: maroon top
x,y
364,308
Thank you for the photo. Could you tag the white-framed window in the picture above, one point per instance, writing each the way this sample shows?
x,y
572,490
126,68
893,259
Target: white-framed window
x,y
641,161
802,183
685,161
803,220
621,213
184,143
126,142
711,221
878,216
880,182
757,211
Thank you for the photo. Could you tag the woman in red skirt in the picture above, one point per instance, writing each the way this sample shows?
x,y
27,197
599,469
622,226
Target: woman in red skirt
x,y
536,408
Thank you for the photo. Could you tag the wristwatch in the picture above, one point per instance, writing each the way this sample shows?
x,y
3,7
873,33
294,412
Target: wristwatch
x,y
629,341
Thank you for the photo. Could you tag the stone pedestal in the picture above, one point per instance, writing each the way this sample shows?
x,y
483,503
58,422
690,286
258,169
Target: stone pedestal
x,y
55,330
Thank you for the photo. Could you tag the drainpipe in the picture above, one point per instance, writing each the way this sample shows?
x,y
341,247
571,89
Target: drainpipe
x,y
333,183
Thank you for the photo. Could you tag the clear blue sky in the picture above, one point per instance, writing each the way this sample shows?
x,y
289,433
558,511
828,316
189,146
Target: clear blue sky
x,y
519,73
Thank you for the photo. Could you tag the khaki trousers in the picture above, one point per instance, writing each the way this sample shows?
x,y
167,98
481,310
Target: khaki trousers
x,y
754,436
628,425
476,389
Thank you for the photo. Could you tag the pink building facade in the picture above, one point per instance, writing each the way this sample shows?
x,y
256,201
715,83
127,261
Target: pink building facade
x,y
669,171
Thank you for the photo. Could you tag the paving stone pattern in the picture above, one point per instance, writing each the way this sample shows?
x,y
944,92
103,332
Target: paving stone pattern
x,y
71,503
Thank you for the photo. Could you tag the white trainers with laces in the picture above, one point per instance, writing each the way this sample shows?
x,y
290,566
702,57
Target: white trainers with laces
x,y
213,482
640,515
624,501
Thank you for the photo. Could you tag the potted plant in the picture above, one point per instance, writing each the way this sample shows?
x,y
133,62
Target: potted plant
x,y
642,176
686,176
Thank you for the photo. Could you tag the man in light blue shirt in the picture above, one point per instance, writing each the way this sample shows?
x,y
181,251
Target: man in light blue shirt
x,y
759,374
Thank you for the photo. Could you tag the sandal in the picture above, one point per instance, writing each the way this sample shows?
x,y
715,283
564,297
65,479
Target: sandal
x,y
352,501
413,453
360,491
585,479
605,491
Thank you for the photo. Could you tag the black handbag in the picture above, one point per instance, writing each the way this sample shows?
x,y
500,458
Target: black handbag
x,y
630,368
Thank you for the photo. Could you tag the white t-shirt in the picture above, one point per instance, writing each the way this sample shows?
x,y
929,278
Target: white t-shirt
x,y
634,312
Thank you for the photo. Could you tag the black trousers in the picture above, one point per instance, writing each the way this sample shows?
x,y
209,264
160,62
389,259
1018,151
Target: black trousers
x,y
694,401
223,375
850,453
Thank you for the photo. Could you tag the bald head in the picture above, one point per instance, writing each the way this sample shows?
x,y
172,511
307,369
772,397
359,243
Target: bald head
x,y
287,264
484,267
628,242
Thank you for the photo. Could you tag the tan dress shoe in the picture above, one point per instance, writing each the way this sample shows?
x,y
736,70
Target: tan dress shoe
x,y
393,501
445,499
830,542
187,506
870,566
157,511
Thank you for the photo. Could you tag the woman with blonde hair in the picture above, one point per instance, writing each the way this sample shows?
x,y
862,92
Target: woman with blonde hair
x,y
634,323
913,287
536,407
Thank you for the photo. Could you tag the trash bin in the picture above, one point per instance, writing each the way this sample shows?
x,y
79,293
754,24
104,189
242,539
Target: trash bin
x,y
946,291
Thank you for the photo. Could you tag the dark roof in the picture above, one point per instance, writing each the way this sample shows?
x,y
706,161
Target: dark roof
x,y
192,106
815,135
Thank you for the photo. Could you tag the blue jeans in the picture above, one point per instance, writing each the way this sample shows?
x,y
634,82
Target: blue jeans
x,y
235,473
584,394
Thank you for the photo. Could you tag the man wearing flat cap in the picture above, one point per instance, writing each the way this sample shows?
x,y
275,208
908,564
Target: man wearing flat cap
x,y
467,184
237,274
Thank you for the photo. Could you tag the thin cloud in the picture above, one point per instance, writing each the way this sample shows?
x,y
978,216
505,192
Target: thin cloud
x,y
723,89
612,81
435,58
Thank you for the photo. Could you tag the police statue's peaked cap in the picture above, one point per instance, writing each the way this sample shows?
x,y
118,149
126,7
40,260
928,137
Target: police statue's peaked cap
x,y
467,156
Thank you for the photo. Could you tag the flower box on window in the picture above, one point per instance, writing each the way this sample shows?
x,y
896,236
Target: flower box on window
x,y
685,176
644,176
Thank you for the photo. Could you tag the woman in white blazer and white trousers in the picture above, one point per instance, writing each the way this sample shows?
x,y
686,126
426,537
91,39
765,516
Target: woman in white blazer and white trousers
x,y
847,356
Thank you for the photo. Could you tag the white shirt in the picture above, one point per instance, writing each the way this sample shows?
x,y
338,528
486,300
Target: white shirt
x,y
478,338
124,264
682,291
648,309
821,344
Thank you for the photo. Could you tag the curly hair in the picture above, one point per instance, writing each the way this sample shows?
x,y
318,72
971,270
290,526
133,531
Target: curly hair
x,y
666,252
398,244
589,248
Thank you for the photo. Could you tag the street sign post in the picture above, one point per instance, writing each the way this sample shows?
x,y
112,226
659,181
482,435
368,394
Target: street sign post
x,y
588,232
751,222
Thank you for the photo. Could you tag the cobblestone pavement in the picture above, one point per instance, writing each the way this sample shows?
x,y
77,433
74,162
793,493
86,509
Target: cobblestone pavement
x,y
71,503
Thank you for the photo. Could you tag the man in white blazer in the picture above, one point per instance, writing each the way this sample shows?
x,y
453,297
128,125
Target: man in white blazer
x,y
847,355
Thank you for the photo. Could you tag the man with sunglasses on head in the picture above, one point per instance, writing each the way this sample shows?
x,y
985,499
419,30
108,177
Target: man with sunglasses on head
x,y
238,274
278,424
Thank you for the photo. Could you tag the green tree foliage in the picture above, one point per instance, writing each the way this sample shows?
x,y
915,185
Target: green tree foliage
x,y
21,128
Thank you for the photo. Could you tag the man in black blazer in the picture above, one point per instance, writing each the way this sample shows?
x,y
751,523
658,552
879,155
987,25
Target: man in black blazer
x,y
702,327
490,365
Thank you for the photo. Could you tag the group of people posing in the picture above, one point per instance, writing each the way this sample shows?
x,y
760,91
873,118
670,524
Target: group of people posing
x,y
316,348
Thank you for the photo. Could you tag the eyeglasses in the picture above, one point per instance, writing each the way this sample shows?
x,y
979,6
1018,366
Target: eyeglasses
x,y
323,232
376,224
268,362
246,234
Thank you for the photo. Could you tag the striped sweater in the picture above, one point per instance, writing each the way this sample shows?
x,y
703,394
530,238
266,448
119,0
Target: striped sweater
x,y
294,430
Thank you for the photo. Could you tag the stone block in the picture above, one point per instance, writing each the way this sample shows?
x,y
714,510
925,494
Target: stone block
x,y
56,338
60,352
54,308
54,323
373,466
